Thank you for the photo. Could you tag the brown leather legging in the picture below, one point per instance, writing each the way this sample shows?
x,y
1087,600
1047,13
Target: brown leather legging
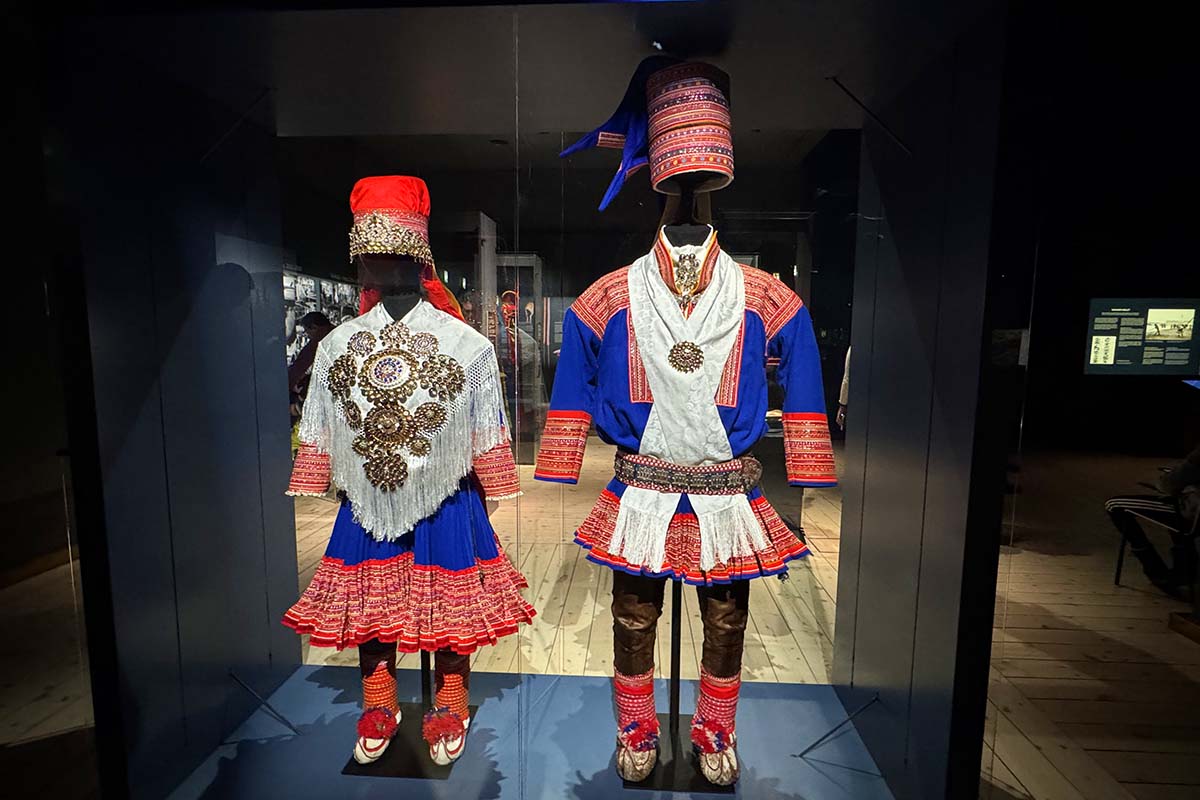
x,y
637,604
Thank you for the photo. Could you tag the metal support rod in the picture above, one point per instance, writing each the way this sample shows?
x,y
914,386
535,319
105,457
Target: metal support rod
x,y
270,708
1120,561
426,684
874,117
676,617
839,726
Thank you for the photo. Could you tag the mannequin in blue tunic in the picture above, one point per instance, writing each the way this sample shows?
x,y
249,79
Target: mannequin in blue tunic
x,y
667,358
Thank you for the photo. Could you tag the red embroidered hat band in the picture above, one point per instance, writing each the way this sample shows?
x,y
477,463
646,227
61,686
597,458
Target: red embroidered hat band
x,y
689,126
675,117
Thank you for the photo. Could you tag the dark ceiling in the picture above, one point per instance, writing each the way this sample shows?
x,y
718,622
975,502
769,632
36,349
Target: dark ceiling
x,y
501,71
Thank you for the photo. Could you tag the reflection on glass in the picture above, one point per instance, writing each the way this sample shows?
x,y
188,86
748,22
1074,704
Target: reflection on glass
x,y
45,687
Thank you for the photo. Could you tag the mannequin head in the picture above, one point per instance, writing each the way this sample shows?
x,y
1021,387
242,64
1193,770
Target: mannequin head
x,y
389,274
693,204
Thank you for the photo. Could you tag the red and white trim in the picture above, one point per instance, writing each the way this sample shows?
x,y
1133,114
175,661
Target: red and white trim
x,y
770,298
311,473
808,451
564,438
602,300
682,562
497,472
727,389
417,606
637,720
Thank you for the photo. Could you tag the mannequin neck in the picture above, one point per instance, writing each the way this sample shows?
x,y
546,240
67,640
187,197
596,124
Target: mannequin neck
x,y
398,301
397,278
686,234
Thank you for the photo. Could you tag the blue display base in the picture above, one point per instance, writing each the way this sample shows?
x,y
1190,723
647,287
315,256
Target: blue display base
x,y
561,730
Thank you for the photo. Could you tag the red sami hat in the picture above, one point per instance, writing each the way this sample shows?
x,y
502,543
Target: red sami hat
x,y
689,126
391,215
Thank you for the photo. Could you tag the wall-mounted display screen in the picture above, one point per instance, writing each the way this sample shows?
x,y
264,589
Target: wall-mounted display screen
x,y
1143,337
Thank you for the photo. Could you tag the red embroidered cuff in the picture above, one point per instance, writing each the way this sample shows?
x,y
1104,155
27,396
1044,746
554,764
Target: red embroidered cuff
x,y
311,473
497,473
807,449
561,453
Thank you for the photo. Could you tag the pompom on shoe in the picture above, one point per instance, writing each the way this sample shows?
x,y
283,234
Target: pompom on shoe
x,y
637,750
446,733
376,727
715,746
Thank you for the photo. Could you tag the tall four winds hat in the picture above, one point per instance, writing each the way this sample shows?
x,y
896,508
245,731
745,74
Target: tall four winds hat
x,y
674,117
391,217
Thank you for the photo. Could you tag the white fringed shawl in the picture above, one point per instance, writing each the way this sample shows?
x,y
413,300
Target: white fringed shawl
x,y
475,423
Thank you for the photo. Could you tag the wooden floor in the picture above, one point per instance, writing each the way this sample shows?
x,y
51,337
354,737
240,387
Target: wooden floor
x,y
44,684
1092,697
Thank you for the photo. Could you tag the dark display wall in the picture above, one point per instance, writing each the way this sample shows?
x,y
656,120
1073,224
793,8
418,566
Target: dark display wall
x,y
170,248
909,601
1108,215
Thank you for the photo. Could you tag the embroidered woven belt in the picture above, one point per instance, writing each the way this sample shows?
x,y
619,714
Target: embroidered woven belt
x,y
737,476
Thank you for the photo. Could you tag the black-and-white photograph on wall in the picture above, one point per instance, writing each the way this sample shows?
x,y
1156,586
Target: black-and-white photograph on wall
x,y
300,296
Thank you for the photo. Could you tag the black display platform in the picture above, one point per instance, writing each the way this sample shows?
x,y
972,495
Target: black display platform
x,y
676,770
408,754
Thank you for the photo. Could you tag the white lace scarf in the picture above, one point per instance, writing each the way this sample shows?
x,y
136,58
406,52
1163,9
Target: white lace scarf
x,y
475,423
684,426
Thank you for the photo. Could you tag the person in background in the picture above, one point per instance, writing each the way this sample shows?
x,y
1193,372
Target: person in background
x,y
1176,509
316,326
844,394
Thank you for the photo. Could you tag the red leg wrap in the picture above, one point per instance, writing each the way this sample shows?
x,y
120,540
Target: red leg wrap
x,y
716,711
379,689
637,722
453,696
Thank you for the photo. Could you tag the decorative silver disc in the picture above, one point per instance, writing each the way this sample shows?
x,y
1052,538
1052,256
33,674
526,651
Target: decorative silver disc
x,y
686,356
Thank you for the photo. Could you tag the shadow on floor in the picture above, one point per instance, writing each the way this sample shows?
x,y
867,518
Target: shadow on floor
x,y
37,767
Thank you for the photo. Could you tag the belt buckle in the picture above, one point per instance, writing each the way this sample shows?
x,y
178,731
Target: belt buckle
x,y
752,471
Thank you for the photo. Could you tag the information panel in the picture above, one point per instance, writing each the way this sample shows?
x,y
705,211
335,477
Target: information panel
x,y
1143,337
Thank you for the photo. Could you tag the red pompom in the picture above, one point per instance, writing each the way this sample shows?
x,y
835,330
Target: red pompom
x,y
377,723
709,736
640,735
442,724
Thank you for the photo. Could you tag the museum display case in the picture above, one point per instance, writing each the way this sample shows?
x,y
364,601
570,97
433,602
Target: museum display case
x,y
574,495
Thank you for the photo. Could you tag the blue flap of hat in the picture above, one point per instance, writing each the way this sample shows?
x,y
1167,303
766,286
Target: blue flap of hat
x,y
627,128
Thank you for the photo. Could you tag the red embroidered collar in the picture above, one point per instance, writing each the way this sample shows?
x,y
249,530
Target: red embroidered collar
x,y
666,265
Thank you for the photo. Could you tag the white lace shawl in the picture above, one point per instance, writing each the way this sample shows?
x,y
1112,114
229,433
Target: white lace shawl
x,y
475,423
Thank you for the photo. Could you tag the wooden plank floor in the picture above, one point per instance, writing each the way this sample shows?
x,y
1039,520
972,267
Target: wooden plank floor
x,y
44,684
1091,695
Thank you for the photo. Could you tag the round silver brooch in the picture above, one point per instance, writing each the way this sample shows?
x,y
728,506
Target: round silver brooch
x,y
686,357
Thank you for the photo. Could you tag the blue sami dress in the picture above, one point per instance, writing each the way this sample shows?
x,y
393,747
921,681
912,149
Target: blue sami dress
x,y
407,417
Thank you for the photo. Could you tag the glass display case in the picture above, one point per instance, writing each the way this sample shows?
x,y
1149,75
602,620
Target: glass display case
x,y
575,495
